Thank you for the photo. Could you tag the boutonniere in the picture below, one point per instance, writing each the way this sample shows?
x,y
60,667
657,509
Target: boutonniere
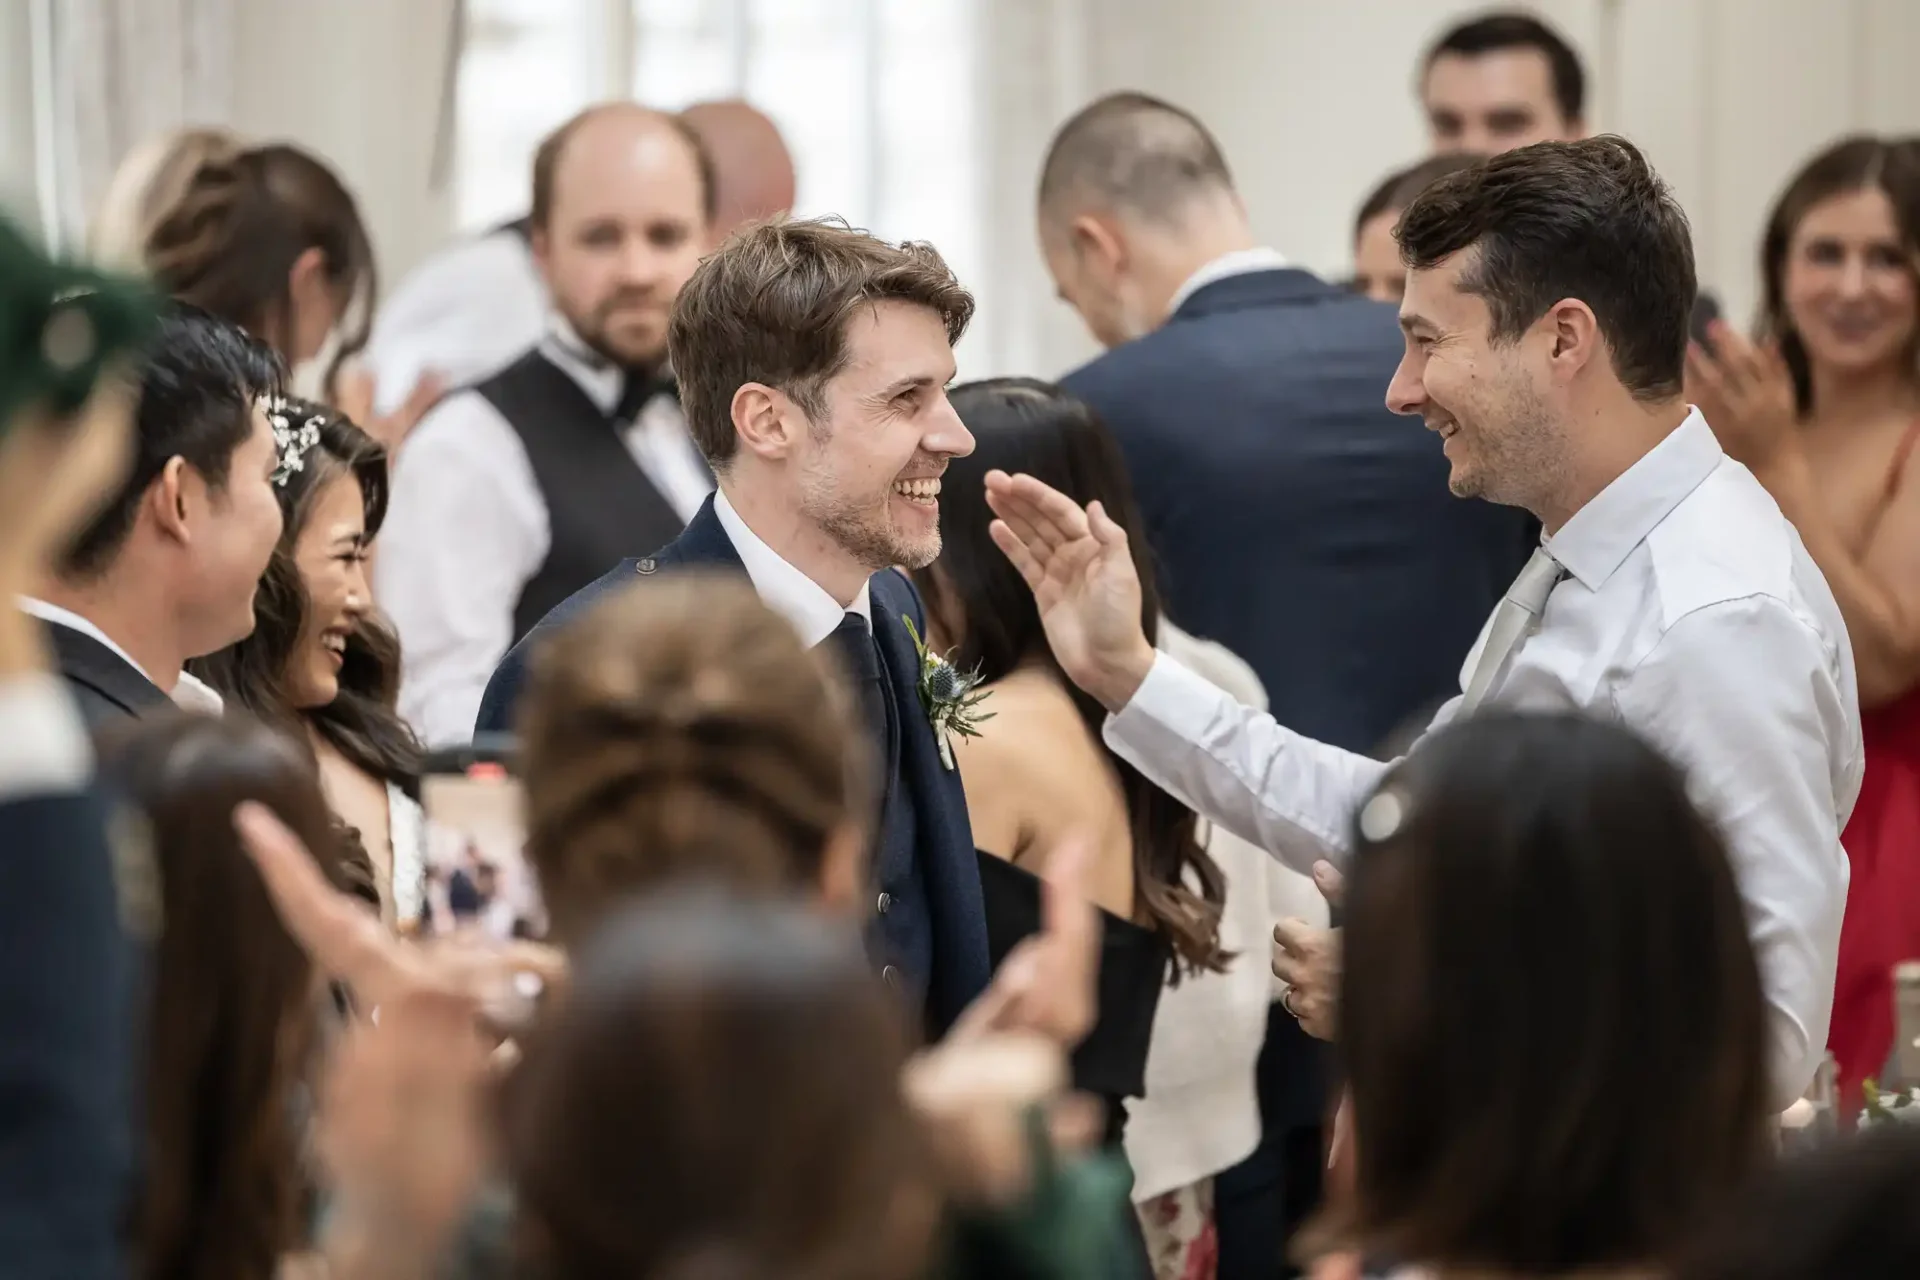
x,y
950,698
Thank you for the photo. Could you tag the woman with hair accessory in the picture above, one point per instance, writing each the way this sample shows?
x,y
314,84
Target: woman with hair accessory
x,y
321,663
1827,414
1550,1013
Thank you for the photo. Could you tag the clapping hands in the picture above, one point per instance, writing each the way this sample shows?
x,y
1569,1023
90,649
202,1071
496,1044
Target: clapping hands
x,y
1746,394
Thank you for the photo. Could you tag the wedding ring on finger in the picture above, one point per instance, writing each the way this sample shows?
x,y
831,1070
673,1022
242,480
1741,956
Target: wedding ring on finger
x,y
1286,1002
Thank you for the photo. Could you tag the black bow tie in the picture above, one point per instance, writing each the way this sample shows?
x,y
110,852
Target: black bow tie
x,y
637,390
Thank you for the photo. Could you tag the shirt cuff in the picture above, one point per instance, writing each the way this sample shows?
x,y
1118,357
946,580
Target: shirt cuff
x,y
44,748
1171,700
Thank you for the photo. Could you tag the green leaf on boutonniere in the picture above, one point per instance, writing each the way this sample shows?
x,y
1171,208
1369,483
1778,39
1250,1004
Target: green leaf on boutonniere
x,y
950,697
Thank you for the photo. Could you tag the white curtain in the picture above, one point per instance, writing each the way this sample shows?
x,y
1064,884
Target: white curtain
x,y
124,71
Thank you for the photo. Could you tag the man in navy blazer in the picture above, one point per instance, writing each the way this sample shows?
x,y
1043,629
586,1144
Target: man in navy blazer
x,y
812,363
1294,519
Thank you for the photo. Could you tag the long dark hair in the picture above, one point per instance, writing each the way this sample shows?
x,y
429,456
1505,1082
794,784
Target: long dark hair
x,y
1889,166
360,723
230,1014
1025,425
1545,933
230,241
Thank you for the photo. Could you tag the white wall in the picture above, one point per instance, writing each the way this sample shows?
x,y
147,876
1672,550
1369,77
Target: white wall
x,y
1313,102
1312,99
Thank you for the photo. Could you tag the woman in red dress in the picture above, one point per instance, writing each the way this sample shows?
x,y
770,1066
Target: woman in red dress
x,y
1826,410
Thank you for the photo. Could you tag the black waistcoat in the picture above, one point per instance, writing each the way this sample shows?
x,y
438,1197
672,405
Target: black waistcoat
x,y
601,507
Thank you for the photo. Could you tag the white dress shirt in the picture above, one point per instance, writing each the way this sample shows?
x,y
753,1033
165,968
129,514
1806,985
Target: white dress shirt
x,y
467,529
468,311
1238,263
44,749
1692,614
189,693
814,613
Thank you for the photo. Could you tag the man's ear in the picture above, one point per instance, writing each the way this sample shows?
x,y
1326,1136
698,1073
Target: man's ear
x,y
1098,239
540,244
168,498
766,420
1574,333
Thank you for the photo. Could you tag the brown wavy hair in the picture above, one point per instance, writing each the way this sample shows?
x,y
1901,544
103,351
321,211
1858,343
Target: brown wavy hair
x,y
718,1097
679,729
230,1014
230,240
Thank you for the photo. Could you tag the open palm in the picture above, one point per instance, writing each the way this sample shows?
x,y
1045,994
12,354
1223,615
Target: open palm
x,y
1082,576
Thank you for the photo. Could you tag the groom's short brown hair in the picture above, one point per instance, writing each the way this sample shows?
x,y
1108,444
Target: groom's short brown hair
x,y
771,306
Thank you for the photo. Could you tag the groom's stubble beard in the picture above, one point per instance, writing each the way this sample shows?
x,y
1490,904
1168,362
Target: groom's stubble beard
x,y
1519,449
863,528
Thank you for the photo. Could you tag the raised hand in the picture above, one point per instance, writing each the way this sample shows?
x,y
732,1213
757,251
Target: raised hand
x,y
1082,576
1746,395
347,942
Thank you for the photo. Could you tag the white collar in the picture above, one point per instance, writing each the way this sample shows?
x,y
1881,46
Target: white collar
x,y
814,613
597,376
1240,262
1599,537
190,693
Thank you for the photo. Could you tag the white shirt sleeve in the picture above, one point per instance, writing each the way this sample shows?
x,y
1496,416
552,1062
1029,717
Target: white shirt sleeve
x,y
466,312
1725,695
466,530
1239,767
44,748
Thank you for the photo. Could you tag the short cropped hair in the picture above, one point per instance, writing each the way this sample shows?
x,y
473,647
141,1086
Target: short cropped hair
x,y
1134,152
1588,220
546,159
772,305
1496,32
198,385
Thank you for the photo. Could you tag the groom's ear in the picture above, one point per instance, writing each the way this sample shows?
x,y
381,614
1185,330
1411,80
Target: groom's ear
x,y
766,420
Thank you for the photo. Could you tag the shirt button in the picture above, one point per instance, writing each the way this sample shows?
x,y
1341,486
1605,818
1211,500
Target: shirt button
x,y
884,904
891,976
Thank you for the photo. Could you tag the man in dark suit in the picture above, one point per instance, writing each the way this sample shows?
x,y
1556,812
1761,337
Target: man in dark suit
x,y
168,569
813,361
1295,519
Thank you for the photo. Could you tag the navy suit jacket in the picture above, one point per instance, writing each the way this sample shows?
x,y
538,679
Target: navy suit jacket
x,y
1293,518
65,1043
945,851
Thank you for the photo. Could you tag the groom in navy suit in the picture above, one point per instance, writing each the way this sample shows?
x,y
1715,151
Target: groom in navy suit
x,y
812,363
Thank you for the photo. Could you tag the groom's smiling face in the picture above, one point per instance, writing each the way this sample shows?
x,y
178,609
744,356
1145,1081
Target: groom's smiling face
x,y
869,466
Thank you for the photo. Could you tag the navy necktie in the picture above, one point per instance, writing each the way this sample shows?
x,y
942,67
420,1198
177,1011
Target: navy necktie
x,y
860,657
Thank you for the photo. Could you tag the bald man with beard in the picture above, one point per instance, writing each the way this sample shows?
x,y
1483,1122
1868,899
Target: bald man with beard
x,y
520,489
477,305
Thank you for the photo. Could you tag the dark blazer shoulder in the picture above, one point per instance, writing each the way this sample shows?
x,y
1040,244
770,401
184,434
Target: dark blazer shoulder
x,y
106,687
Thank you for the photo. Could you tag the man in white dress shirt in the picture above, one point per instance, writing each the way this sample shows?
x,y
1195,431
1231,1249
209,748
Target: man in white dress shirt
x,y
515,493
1545,321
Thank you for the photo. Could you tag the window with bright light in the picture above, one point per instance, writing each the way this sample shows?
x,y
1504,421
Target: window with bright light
x,y
875,97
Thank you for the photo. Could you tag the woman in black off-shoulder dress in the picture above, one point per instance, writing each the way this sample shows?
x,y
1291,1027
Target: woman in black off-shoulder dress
x,y
1039,774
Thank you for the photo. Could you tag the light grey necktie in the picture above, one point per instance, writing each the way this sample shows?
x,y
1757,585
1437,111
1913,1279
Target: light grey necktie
x,y
1513,620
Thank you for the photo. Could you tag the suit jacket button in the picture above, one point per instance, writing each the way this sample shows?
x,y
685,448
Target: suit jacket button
x,y
649,565
886,902
891,976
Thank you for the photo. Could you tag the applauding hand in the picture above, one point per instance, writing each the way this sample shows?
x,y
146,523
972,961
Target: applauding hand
x,y
1746,395
1082,575
353,396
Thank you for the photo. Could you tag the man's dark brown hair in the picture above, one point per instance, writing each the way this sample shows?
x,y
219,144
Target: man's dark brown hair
x,y
772,307
1589,220
546,160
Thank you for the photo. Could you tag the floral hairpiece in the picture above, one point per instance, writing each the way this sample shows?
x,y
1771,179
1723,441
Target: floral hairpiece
x,y
290,442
